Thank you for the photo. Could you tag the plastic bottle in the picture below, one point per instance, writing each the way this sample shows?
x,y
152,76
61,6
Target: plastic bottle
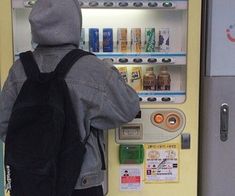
x,y
149,79
163,79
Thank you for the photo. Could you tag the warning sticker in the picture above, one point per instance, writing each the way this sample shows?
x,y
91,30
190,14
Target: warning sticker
x,y
130,178
161,163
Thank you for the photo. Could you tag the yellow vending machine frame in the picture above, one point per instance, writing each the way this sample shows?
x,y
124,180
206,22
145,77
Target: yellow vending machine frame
x,y
6,42
187,159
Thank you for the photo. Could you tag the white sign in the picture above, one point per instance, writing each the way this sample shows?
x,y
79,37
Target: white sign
x,y
161,163
130,178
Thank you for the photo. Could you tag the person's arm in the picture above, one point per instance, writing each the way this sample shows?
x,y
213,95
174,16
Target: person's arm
x,y
120,103
7,99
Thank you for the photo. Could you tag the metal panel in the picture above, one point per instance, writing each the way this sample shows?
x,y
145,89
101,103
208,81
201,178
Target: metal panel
x,y
217,154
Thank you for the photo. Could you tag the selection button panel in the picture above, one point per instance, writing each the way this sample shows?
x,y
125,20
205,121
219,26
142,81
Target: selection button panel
x,y
152,126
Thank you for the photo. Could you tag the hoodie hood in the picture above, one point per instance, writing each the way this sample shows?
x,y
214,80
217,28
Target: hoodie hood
x,y
56,22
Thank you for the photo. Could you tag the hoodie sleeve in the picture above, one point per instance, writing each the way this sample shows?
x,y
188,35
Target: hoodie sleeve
x,y
7,99
120,103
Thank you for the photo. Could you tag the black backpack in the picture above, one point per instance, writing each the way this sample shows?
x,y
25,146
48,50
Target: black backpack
x,y
43,148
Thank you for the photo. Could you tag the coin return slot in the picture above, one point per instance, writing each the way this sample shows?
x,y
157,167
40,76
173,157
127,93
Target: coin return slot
x,y
158,118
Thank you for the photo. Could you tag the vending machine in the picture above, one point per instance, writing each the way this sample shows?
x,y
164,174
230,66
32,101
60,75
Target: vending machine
x,y
217,129
155,45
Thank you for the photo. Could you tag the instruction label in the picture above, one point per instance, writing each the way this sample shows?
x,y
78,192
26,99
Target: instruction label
x,y
161,163
130,178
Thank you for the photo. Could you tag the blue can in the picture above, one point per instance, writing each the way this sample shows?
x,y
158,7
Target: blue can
x,y
94,40
107,40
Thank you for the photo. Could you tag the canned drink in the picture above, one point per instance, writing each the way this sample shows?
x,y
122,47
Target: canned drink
x,y
136,39
107,40
94,40
123,73
136,78
164,42
150,40
82,39
122,39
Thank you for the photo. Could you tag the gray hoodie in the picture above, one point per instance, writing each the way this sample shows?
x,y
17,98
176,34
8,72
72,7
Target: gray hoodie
x,y
100,96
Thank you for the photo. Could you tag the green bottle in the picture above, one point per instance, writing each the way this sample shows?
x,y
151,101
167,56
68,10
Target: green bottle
x,y
150,40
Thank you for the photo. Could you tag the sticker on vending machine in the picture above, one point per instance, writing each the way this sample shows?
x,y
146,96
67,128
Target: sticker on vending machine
x,y
161,163
130,178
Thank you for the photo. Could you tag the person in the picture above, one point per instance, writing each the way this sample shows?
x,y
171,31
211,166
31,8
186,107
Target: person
x,y
99,94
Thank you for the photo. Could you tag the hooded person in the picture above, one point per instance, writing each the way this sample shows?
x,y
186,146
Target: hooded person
x,y
99,94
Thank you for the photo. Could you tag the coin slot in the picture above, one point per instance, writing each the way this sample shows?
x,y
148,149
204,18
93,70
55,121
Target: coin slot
x,y
173,122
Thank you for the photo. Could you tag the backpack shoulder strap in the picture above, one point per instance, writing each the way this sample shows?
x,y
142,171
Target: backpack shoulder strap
x,y
69,59
30,66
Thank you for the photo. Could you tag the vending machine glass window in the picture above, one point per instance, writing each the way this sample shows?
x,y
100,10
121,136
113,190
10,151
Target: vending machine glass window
x,y
145,40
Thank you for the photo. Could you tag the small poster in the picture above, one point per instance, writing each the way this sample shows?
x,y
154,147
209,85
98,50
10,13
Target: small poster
x,y
130,178
161,163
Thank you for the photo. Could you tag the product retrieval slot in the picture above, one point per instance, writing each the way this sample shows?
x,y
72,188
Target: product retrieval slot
x,y
131,131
